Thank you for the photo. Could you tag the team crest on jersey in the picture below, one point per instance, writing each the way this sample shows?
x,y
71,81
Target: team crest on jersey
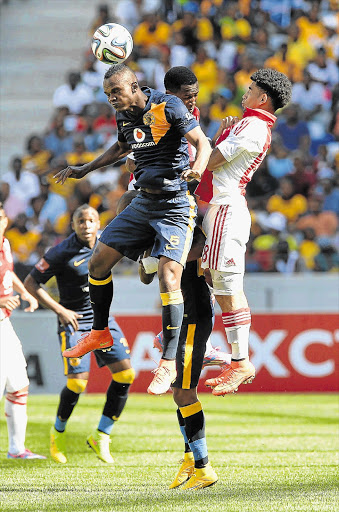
x,y
139,135
42,265
149,119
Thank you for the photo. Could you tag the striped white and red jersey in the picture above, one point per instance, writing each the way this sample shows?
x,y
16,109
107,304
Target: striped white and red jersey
x,y
6,273
244,147
191,151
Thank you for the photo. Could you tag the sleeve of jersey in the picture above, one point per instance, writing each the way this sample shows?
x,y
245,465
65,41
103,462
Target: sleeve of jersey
x,y
46,267
179,117
251,139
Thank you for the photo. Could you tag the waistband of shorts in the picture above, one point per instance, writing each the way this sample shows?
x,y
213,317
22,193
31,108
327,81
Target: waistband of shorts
x,y
158,193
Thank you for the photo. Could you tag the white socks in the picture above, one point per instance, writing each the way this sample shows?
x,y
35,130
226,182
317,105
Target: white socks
x,y
16,416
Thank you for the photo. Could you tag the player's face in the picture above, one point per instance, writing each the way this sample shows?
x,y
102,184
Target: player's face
x,y
120,91
3,223
254,97
86,225
188,95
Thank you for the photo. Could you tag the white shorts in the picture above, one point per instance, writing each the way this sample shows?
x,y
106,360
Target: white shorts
x,y
227,229
13,374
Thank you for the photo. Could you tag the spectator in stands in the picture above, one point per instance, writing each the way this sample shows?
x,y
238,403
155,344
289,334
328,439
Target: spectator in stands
x,y
279,162
299,50
260,188
80,154
311,96
195,29
323,69
54,203
281,62
37,157
286,201
242,77
103,16
59,141
206,71
181,55
303,174
73,94
328,258
311,27
233,26
324,224
22,240
128,13
330,193
309,248
258,51
151,34
23,184
293,132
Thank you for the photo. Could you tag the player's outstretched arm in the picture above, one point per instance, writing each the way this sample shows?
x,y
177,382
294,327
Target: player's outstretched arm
x,y
24,294
199,140
112,155
66,316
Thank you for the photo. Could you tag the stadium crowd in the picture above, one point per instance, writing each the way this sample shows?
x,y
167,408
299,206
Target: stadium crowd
x,y
293,197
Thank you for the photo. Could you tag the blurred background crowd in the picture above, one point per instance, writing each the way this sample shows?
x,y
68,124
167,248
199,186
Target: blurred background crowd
x,y
293,197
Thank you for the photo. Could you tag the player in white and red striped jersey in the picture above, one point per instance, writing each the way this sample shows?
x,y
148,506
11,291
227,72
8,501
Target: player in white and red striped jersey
x,y
13,374
239,151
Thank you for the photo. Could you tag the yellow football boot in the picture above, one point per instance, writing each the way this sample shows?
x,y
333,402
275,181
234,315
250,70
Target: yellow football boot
x,y
58,446
203,477
185,471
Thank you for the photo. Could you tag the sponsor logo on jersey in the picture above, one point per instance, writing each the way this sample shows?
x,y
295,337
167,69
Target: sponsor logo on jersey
x,y
230,263
149,119
170,328
125,123
139,135
42,265
142,145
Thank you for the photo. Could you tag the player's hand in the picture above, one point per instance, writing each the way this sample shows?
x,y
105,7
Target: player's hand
x,y
71,171
191,174
10,303
33,303
228,121
69,317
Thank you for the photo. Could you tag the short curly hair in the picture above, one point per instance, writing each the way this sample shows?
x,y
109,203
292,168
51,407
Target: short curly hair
x,y
275,84
178,76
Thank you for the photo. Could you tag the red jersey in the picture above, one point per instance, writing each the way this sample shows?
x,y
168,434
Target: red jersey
x,y
6,272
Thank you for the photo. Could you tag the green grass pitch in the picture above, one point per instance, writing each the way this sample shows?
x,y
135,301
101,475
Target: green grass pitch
x,y
272,452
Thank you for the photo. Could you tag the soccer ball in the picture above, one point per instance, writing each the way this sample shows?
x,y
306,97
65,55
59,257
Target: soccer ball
x,y
112,43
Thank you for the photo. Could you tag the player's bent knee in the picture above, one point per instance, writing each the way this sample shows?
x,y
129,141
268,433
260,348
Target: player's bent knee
x,y
125,376
77,385
227,283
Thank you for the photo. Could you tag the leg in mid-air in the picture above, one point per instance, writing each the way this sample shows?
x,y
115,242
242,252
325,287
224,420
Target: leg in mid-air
x,y
228,229
236,316
169,273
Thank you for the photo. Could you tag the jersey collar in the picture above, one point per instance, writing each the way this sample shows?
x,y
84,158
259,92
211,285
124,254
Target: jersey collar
x,y
269,118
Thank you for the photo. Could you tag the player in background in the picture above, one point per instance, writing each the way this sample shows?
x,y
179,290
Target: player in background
x,y
155,126
68,262
13,374
182,82
195,471
239,151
